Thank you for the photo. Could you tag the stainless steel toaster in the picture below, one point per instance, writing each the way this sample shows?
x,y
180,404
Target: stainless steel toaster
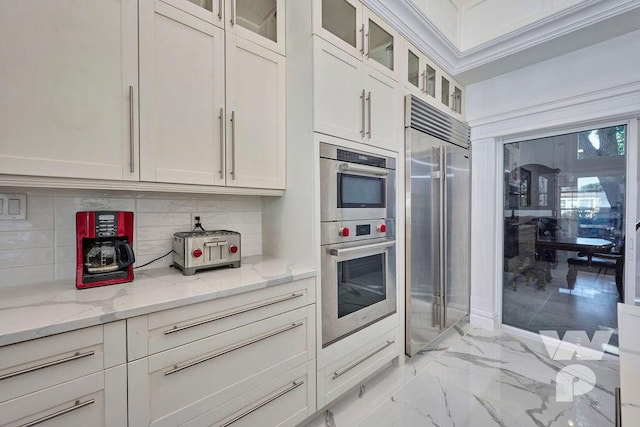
x,y
198,250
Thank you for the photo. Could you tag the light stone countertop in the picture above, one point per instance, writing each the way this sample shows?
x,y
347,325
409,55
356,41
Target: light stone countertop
x,y
34,311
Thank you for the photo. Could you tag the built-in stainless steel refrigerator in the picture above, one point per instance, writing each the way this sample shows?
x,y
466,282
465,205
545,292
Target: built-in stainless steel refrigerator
x,y
438,223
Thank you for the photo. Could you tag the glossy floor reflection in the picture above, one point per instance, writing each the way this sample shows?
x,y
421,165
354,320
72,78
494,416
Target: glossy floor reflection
x,y
479,379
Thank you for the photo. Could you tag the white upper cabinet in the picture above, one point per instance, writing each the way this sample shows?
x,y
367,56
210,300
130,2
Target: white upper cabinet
x,y
422,78
255,116
69,92
211,11
354,101
259,21
353,28
181,97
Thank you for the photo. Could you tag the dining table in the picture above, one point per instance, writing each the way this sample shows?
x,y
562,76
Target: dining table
x,y
586,246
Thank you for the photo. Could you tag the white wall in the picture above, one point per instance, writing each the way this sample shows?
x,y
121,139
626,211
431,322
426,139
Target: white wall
x,y
594,85
42,247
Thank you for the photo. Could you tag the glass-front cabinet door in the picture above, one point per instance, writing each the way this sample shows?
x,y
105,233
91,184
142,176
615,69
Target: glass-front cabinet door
x,y
211,11
380,44
340,23
259,21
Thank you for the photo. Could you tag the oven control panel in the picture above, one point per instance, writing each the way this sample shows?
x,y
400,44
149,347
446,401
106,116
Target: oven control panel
x,y
351,231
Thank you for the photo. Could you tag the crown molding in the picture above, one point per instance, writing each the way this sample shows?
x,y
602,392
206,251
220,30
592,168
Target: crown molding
x,y
611,18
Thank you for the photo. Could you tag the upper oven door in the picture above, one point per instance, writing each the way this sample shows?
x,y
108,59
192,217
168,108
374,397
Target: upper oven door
x,y
358,286
350,191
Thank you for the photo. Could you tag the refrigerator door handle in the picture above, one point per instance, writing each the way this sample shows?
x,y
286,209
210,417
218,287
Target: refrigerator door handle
x,y
443,238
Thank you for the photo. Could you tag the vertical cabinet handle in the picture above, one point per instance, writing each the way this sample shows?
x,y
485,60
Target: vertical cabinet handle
x,y
362,39
369,113
131,131
233,12
233,145
363,113
368,45
424,81
219,10
618,403
221,118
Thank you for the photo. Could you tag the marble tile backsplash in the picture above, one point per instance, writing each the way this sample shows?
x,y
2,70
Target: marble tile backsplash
x,y
42,247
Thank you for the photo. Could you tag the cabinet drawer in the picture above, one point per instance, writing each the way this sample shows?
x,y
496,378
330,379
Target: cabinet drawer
x,y
183,383
338,377
94,400
284,401
161,331
33,365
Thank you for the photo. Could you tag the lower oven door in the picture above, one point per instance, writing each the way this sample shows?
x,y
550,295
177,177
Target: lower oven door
x,y
358,286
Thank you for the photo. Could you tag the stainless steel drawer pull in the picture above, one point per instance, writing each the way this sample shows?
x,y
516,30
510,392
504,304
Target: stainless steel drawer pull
x,y
76,406
76,356
276,395
238,346
261,304
132,169
343,371
339,252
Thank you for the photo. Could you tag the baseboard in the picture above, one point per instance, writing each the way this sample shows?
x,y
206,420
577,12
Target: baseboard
x,y
484,320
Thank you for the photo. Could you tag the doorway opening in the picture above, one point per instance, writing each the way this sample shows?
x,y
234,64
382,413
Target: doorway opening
x,y
564,207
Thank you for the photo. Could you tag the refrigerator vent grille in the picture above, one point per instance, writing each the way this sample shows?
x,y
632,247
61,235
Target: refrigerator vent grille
x,y
425,118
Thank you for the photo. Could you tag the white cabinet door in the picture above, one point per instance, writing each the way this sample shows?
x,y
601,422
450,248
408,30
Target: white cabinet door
x,y
380,44
259,21
256,126
338,92
384,111
181,97
96,400
211,11
340,23
69,84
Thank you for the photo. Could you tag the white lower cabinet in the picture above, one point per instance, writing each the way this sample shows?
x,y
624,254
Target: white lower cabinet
x,y
94,400
175,386
355,358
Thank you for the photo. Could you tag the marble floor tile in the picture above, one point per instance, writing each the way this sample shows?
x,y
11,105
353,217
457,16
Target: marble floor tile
x,y
478,378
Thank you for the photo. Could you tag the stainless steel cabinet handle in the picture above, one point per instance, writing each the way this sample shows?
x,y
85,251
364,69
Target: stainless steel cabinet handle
x,y
219,10
424,81
131,131
76,356
363,112
221,118
233,145
369,113
276,395
364,169
343,371
261,304
362,39
76,406
354,249
368,45
233,12
240,345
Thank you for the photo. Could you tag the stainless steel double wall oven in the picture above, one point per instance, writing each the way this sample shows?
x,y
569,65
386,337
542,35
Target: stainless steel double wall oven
x,y
358,245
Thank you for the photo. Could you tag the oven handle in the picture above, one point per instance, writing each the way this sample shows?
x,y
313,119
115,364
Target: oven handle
x,y
369,170
339,252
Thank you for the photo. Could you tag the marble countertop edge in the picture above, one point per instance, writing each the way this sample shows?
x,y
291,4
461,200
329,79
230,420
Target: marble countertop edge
x,y
31,312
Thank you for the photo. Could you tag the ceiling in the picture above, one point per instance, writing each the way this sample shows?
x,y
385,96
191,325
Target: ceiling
x,y
580,24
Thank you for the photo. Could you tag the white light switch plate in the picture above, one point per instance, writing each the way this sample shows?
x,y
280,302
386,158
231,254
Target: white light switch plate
x,y
13,206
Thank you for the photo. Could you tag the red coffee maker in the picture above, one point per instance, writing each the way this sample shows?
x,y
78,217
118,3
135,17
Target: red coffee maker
x,y
103,248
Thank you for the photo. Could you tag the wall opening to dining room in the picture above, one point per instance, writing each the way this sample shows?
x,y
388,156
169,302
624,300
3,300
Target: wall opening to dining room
x,y
564,230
